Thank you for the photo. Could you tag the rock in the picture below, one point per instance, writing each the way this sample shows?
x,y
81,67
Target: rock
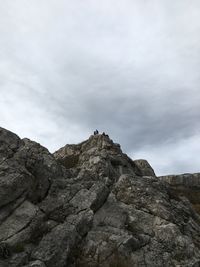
x,y
36,264
92,198
187,185
68,155
15,181
9,143
144,167
138,215
18,220
55,247
91,205
42,166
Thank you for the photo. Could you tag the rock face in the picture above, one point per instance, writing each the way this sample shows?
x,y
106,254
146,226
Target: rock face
x,y
187,185
89,205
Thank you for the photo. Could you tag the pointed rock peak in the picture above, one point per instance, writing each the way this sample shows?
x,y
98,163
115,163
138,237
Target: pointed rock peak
x,y
99,150
101,141
96,145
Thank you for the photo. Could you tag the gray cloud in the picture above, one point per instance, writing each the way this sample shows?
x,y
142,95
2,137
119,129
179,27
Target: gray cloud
x,y
130,68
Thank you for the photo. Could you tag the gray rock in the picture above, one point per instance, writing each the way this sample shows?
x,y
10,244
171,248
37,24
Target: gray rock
x,y
18,220
144,167
36,264
91,205
187,185
9,143
55,247
15,181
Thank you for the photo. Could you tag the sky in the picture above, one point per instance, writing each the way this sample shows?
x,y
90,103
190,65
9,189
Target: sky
x,y
130,68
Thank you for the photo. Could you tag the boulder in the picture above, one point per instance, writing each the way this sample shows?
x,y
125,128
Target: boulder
x,y
144,167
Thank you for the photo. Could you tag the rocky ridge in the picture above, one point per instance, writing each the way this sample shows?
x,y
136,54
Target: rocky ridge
x,y
90,205
187,185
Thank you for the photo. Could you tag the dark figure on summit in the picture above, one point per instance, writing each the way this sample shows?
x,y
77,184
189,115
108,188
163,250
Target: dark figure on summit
x,y
105,134
96,132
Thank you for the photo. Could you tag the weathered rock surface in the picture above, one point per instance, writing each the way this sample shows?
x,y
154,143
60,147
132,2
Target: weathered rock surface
x,y
90,205
187,185
145,167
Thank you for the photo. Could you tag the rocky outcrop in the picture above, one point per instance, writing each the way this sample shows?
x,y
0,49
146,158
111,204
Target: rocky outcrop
x,y
187,185
145,167
89,205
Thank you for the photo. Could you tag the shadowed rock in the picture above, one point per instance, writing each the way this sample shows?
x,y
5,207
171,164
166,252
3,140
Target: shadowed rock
x,y
187,185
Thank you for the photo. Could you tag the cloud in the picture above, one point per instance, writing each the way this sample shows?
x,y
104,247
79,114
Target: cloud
x,y
170,158
130,68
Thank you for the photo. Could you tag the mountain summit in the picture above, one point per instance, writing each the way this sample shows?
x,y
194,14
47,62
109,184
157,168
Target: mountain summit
x,y
90,205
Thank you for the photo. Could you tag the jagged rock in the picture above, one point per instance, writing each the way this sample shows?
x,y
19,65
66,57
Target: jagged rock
x,y
139,215
91,205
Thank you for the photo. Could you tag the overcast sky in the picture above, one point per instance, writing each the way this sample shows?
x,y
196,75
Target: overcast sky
x,y
130,68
